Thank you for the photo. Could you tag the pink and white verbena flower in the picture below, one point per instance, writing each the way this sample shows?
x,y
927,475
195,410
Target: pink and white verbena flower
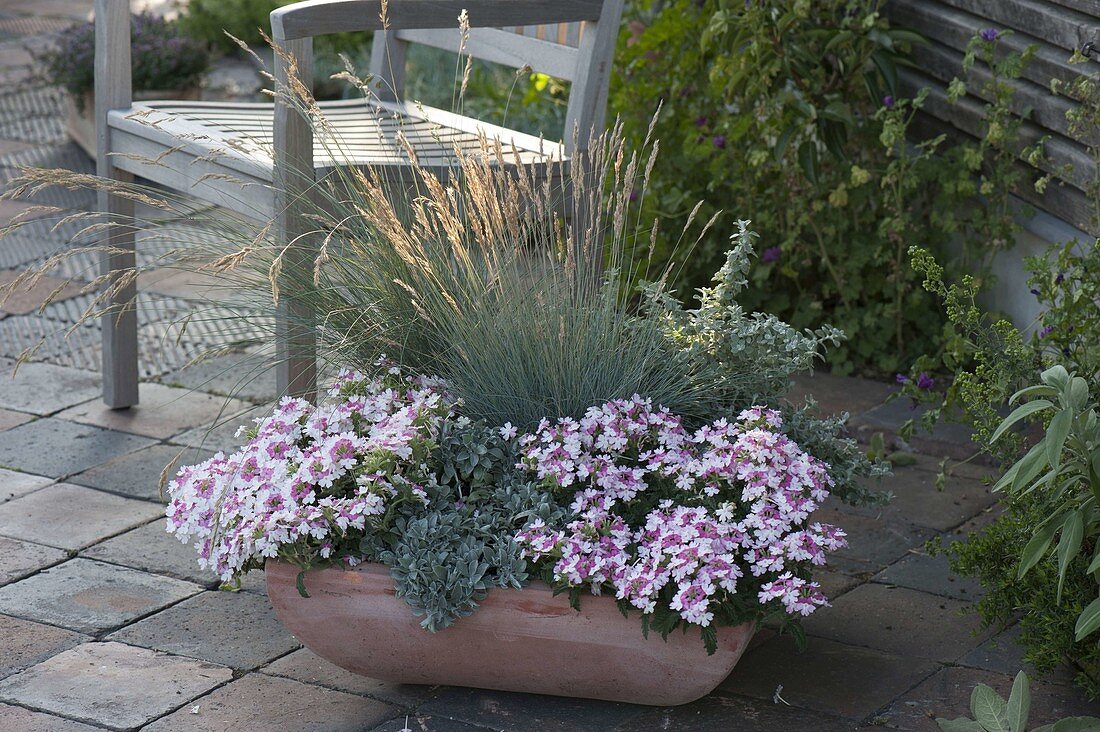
x,y
732,498
310,476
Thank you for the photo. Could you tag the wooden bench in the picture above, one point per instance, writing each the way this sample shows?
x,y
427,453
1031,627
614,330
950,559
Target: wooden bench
x,y
251,158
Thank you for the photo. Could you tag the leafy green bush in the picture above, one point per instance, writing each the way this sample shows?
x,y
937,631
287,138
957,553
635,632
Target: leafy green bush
x,y
790,112
162,57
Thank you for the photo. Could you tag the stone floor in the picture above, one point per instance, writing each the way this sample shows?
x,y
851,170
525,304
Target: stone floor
x,y
107,623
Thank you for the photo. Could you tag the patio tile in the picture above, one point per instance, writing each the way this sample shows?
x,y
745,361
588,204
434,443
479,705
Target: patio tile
x,y
72,516
223,435
834,584
305,666
917,501
248,376
734,713
163,411
24,643
973,469
9,419
21,558
152,549
425,723
91,596
24,299
522,712
830,677
872,543
897,620
24,720
259,703
837,394
919,571
235,629
42,388
137,474
58,448
947,439
14,484
112,684
1003,654
947,695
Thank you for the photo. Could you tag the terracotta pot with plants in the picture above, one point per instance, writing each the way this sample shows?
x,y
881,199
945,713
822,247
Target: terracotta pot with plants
x,y
166,65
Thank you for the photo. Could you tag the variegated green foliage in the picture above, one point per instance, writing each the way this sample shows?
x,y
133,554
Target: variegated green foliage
x,y
992,713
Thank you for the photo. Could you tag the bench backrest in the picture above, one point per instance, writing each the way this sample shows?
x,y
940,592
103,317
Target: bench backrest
x,y
567,39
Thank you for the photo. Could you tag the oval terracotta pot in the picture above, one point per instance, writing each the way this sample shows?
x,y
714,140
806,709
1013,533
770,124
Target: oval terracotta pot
x,y
518,640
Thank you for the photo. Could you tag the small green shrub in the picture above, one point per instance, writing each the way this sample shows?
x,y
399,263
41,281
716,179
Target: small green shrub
x,y
162,57
791,111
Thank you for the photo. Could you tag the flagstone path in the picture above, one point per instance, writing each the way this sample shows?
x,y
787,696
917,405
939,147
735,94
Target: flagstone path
x,y
106,622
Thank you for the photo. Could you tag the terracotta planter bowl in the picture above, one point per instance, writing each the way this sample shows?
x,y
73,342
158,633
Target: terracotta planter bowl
x,y
518,640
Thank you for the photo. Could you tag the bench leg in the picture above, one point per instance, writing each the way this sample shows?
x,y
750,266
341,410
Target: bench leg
x,y
120,348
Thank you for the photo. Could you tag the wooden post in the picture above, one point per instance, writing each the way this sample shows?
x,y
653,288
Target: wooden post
x,y
296,340
113,91
387,66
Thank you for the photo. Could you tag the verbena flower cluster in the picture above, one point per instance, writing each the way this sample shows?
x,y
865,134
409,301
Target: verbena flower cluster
x,y
684,519
310,477
708,527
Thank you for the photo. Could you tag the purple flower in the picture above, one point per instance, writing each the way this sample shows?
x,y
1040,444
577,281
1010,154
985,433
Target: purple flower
x,y
901,379
701,121
888,101
719,141
1046,331
990,34
1060,278
771,254
924,381
1034,292
633,196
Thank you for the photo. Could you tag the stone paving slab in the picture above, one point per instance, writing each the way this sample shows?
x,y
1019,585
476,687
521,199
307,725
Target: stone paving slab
x,y
151,548
9,419
28,298
14,484
918,501
839,394
235,629
137,474
24,643
24,720
42,388
112,684
508,712
948,439
58,448
734,713
919,571
91,597
305,666
830,677
260,703
244,375
426,723
163,411
71,516
21,558
1004,655
223,435
873,543
900,621
947,695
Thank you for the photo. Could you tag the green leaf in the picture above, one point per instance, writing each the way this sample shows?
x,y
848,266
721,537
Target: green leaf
x,y
1056,436
1019,703
807,158
1055,376
962,724
1021,412
1094,566
1088,621
1069,545
989,709
1030,467
1036,549
1037,390
1074,724
300,583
